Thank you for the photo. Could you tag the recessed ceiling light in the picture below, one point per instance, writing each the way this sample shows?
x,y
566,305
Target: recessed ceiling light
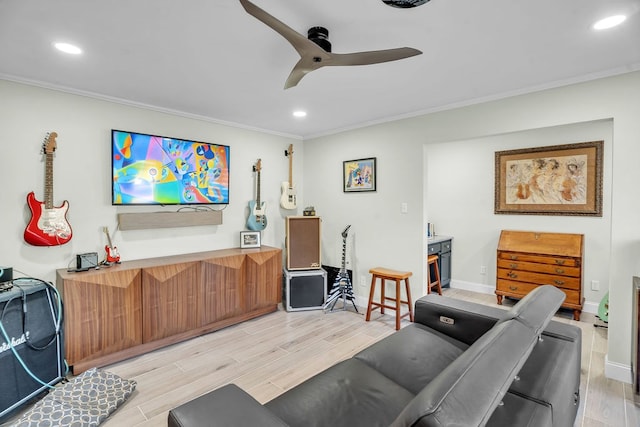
x,y
68,48
300,114
609,22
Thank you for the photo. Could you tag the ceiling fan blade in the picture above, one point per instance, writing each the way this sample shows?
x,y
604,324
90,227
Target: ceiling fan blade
x,y
299,42
296,75
372,57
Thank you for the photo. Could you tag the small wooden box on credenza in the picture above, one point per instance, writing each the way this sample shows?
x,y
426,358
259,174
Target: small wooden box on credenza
x,y
303,242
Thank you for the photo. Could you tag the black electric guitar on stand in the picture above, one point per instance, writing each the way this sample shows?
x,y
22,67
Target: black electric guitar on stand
x,y
342,287
257,220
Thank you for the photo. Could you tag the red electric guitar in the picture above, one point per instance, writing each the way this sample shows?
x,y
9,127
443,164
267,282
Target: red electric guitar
x,y
48,225
112,252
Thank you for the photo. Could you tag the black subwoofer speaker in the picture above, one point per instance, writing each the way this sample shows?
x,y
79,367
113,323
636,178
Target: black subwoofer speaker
x,y
303,242
305,289
30,321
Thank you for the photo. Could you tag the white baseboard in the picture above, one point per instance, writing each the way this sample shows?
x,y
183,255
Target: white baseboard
x,y
473,287
588,307
617,371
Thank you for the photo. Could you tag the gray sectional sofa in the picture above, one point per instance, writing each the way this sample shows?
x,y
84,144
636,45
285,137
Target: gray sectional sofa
x,y
458,364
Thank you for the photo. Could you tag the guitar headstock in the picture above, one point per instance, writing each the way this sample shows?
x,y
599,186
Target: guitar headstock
x,y
289,151
49,144
257,166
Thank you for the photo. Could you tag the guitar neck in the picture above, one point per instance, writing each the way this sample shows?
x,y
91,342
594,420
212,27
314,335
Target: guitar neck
x,y
258,190
48,181
106,231
290,154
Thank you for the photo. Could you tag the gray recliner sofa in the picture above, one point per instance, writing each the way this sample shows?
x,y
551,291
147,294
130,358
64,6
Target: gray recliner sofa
x,y
458,364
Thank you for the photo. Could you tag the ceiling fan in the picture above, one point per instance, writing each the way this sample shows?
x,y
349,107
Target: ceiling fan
x,y
315,50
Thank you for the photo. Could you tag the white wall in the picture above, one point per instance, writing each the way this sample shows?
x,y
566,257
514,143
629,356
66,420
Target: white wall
x,y
82,173
434,143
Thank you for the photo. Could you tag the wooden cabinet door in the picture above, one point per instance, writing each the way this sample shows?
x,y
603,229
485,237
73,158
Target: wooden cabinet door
x,y
171,293
223,288
103,313
263,279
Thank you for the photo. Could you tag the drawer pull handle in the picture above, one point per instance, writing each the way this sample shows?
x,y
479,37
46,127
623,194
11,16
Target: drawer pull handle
x,y
512,275
559,282
514,257
560,261
513,265
513,288
559,271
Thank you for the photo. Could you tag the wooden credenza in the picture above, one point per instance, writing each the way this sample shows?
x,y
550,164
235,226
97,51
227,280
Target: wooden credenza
x,y
137,306
527,259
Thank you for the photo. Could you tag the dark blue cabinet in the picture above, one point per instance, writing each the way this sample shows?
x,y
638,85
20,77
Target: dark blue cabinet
x,y
441,246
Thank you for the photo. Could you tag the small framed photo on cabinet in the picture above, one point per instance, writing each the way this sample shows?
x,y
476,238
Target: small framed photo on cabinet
x,y
249,239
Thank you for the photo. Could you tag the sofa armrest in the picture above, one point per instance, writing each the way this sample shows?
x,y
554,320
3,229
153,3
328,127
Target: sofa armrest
x,y
463,320
228,406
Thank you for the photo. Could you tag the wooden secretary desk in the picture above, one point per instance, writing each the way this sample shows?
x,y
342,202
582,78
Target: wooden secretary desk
x,y
527,259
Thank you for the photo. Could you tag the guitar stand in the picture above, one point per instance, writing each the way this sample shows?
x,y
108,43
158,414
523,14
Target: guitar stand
x,y
599,323
341,289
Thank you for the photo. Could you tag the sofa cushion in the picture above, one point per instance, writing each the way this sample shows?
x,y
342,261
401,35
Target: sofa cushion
x,y
554,380
467,391
347,394
518,411
228,406
463,320
413,356
537,308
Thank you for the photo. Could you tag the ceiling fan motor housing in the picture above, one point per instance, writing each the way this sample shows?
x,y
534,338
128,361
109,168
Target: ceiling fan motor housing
x,y
319,35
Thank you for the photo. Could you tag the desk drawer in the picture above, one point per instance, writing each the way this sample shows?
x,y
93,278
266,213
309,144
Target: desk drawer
x,y
542,259
520,289
559,270
434,248
539,278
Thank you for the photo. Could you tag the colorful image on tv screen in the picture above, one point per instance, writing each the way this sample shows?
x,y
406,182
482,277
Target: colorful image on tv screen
x,y
151,169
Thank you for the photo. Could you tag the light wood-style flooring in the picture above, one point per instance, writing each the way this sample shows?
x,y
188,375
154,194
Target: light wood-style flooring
x,y
273,353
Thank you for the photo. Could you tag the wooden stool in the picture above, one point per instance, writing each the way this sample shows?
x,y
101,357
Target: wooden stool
x,y
433,260
397,276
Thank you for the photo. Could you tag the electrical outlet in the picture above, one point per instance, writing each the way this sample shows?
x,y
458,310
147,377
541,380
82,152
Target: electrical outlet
x,y
363,282
595,285
483,269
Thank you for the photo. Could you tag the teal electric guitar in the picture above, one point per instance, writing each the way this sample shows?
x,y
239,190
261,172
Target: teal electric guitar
x,y
603,308
257,220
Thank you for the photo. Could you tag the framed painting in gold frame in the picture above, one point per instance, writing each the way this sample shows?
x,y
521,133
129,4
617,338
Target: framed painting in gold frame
x,y
554,180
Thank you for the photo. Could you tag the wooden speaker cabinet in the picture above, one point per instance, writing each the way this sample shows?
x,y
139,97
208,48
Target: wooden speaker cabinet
x,y
303,242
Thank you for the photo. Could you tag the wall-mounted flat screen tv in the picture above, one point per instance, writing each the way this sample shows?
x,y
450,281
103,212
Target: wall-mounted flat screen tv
x,y
157,170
